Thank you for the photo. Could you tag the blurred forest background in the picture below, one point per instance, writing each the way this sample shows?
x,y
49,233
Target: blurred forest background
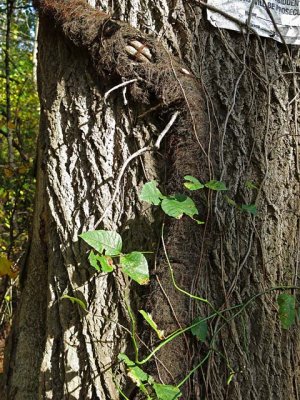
x,y
19,119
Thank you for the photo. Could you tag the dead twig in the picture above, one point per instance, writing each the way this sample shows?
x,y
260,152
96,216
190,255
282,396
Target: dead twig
x,y
117,87
138,153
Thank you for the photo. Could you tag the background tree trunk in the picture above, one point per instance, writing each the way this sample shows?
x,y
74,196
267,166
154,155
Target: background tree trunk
x,y
246,130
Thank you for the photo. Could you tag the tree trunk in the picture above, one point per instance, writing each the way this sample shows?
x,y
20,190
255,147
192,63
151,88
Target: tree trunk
x,y
242,128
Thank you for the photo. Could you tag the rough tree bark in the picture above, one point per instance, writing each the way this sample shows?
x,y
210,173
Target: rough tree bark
x,y
241,126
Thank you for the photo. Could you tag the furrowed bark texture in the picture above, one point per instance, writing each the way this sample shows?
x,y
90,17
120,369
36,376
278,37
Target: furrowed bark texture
x,y
241,128
57,352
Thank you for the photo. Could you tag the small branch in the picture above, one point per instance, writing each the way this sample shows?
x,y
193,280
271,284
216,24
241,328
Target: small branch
x,y
16,146
117,87
124,96
138,153
166,130
9,16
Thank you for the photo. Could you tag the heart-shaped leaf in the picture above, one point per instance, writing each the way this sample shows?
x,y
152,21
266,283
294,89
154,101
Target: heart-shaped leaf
x,y
216,185
192,183
249,208
166,392
108,241
151,194
135,266
176,206
199,330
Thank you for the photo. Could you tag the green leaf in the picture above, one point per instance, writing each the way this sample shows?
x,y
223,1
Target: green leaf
x,y
249,208
5,268
199,330
135,265
135,373
176,206
287,310
230,201
198,221
106,264
94,260
110,241
231,376
166,392
126,359
148,318
216,185
74,300
151,194
250,185
192,183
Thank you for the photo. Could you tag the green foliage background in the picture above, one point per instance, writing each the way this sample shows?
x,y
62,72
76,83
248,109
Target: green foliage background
x,y
17,178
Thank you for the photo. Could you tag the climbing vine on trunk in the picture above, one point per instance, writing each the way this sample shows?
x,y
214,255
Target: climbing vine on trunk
x,y
107,91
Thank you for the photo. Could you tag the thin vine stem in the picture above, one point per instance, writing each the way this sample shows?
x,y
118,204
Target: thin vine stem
x,y
194,369
242,306
133,326
173,336
192,296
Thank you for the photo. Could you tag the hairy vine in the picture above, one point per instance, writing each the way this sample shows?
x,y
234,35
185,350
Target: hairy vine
x,y
121,53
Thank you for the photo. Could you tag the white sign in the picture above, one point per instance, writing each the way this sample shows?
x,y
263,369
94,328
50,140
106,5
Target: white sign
x,y
286,14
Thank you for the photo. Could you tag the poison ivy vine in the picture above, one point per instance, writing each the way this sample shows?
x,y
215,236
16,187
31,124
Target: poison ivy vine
x,y
107,255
